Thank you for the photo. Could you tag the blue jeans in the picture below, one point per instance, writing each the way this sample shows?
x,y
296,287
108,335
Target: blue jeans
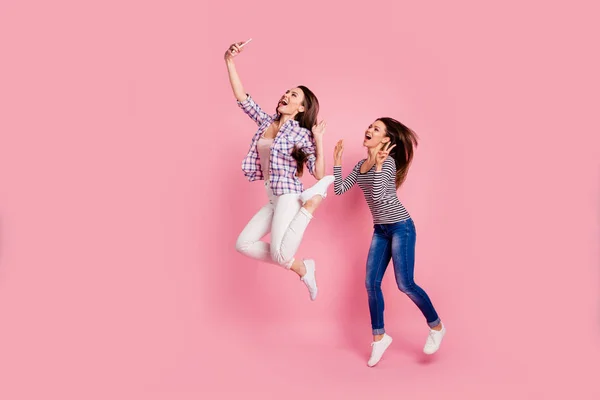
x,y
396,242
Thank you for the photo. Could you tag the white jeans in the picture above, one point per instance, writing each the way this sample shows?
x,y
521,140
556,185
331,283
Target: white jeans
x,y
285,218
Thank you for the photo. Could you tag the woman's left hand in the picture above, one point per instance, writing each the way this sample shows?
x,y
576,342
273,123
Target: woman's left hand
x,y
319,129
383,154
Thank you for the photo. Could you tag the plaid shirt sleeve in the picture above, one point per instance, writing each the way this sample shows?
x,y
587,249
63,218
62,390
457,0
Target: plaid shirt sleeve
x,y
253,110
307,144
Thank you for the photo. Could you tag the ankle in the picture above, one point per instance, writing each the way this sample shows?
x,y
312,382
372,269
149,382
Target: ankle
x,y
299,268
312,203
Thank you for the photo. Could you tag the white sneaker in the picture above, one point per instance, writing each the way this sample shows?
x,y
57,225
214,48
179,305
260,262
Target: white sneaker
x,y
379,348
318,188
309,278
434,340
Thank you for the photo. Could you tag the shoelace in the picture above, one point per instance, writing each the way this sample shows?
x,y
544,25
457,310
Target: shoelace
x,y
431,338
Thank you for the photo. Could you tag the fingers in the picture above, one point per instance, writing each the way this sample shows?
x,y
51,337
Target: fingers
x,y
385,151
235,49
322,124
339,148
388,146
319,127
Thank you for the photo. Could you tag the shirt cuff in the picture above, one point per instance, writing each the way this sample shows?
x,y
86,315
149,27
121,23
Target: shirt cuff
x,y
245,101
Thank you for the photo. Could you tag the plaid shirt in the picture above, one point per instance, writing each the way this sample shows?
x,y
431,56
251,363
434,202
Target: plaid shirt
x,y
283,167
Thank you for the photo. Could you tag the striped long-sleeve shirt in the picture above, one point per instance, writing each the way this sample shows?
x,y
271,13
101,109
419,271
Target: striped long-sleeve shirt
x,y
379,189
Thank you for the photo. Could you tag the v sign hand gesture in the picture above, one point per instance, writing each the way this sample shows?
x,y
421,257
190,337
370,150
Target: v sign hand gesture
x,y
382,155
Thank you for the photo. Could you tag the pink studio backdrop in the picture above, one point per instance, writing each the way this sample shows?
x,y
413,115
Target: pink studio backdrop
x,y
121,197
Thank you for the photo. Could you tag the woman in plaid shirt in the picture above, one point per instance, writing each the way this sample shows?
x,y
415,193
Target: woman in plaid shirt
x,y
278,151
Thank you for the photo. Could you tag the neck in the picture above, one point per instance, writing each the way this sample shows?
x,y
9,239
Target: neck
x,y
283,119
372,153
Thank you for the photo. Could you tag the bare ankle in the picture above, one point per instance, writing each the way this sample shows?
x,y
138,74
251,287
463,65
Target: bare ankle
x,y
299,268
312,204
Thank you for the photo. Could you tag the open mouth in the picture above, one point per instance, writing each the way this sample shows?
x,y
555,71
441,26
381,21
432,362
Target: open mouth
x,y
283,102
368,136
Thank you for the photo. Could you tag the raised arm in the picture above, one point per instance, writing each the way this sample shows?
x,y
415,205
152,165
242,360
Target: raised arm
x,y
384,178
234,78
318,166
244,100
385,172
341,185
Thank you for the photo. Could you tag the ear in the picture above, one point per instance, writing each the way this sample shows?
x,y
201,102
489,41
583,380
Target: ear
x,y
385,139
301,109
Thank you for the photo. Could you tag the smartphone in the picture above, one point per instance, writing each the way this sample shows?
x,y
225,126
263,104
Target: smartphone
x,y
246,42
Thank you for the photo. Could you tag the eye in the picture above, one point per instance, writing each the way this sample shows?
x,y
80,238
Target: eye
x,y
377,129
294,94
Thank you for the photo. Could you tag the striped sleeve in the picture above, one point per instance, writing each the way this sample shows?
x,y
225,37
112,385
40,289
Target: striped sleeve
x,y
341,185
383,179
253,110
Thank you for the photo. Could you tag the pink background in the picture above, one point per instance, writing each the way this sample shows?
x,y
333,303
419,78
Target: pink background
x,y
121,197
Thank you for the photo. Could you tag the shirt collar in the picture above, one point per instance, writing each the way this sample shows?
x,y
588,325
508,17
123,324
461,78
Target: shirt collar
x,y
289,121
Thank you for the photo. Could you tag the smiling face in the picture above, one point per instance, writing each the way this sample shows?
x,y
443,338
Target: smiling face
x,y
291,103
375,135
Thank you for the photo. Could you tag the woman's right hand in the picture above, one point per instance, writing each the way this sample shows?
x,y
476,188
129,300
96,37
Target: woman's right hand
x,y
337,152
233,51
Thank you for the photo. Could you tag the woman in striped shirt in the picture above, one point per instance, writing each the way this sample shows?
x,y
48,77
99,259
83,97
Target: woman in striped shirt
x,y
389,153
279,149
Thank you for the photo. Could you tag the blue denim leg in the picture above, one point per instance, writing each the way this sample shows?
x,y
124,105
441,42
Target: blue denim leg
x,y
403,238
377,262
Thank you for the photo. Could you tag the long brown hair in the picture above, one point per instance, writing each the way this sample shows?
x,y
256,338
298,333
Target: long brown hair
x,y
405,140
307,119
